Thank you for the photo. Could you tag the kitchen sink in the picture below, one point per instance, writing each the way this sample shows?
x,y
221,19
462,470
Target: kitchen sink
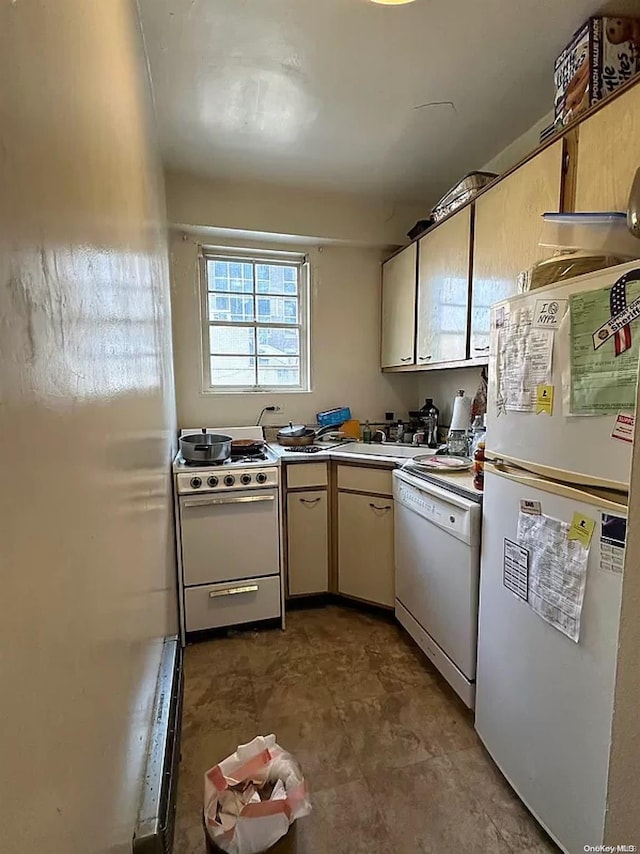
x,y
381,449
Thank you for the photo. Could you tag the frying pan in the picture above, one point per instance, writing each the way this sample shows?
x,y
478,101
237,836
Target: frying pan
x,y
307,438
246,446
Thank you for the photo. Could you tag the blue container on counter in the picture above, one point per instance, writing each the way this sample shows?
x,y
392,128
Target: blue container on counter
x,y
334,417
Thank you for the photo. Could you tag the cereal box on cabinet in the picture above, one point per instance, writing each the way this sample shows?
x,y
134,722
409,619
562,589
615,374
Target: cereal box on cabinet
x,y
602,55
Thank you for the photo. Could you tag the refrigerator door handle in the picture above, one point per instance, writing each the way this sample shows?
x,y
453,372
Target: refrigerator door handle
x,y
616,502
571,478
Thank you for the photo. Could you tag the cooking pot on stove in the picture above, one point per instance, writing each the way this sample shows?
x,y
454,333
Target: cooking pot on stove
x,y
306,438
205,447
293,431
296,434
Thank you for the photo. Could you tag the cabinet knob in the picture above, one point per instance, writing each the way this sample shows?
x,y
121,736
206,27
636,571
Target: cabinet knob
x,y
424,358
408,359
375,506
481,349
309,500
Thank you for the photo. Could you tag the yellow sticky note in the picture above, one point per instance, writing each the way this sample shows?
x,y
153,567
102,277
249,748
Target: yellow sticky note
x,y
582,529
544,399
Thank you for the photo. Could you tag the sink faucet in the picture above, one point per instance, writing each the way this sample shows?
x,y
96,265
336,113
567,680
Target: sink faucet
x,y
381,433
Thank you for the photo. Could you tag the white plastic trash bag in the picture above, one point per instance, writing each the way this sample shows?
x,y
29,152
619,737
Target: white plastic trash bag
x,y
253,796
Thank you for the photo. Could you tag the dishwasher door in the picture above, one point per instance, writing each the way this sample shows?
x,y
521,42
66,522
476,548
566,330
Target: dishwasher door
x,y
437,557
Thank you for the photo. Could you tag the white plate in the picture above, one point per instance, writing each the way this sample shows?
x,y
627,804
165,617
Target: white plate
x,y
433,463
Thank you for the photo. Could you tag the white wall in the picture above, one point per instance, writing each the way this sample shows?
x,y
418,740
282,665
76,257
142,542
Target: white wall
x,y
519,148
345,343
86,425
253,206
443,386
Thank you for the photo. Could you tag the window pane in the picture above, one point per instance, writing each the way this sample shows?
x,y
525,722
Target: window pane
x,y
230,276
277,310
276,279
274,342
231,308
279,371
232,339
233,370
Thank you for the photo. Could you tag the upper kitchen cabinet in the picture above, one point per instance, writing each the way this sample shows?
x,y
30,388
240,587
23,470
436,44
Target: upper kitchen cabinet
x,y
609,154
398,308
443,291
507,229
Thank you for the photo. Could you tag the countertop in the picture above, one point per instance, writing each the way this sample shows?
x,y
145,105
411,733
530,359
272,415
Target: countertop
x,y
460,481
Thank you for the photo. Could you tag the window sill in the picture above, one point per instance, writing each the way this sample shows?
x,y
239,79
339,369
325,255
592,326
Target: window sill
x,y
217,392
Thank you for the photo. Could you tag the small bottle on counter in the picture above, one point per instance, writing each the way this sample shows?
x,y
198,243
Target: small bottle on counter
x,y
366,433
478,466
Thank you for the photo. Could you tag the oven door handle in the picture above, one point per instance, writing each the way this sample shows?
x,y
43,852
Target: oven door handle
x,y
246,499
234,591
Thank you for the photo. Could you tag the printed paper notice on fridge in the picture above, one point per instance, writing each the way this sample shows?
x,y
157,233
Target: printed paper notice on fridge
x,y
624,428
515,570
557,571
524,360
603,348
612,543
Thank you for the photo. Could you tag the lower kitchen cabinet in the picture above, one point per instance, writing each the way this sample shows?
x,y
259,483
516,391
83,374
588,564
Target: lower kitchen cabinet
x,y
365,547
308,542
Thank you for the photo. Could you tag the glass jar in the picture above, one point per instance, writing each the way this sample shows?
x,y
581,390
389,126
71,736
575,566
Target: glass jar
x,y
458,443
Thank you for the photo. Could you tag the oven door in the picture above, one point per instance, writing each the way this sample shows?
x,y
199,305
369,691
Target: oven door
x,y
229,536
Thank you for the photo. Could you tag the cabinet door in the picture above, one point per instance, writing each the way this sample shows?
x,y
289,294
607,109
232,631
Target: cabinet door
x,y
443,291
365,547
398,308
308,542
508,225
609,154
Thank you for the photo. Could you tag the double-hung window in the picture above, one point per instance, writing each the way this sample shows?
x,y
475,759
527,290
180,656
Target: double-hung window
x,y
254,313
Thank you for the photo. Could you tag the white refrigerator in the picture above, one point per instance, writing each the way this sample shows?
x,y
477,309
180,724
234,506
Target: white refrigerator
x,y
562,386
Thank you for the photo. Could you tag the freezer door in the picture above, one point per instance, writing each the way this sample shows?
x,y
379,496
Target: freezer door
x,y
576,448
544,703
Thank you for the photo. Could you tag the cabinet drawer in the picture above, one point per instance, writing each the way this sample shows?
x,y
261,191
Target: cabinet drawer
x,y
306,474
365,479
229,604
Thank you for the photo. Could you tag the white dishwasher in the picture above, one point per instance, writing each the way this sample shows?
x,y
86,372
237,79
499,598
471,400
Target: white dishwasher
x,y
437,560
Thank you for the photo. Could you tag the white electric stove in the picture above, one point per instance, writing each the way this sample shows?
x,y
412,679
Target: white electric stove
x,y
228,538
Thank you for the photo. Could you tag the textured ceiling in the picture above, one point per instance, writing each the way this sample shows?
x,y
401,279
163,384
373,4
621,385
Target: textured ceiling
x,y
340,93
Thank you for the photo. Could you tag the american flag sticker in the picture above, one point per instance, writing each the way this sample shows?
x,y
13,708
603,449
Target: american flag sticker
x,y
618,325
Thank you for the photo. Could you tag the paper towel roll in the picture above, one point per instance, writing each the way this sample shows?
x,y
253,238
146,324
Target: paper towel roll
x,y
461,418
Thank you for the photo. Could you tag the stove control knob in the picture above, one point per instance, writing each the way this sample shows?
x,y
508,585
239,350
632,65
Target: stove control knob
x,y
196,483
229,480
245,479
261,477
212,481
